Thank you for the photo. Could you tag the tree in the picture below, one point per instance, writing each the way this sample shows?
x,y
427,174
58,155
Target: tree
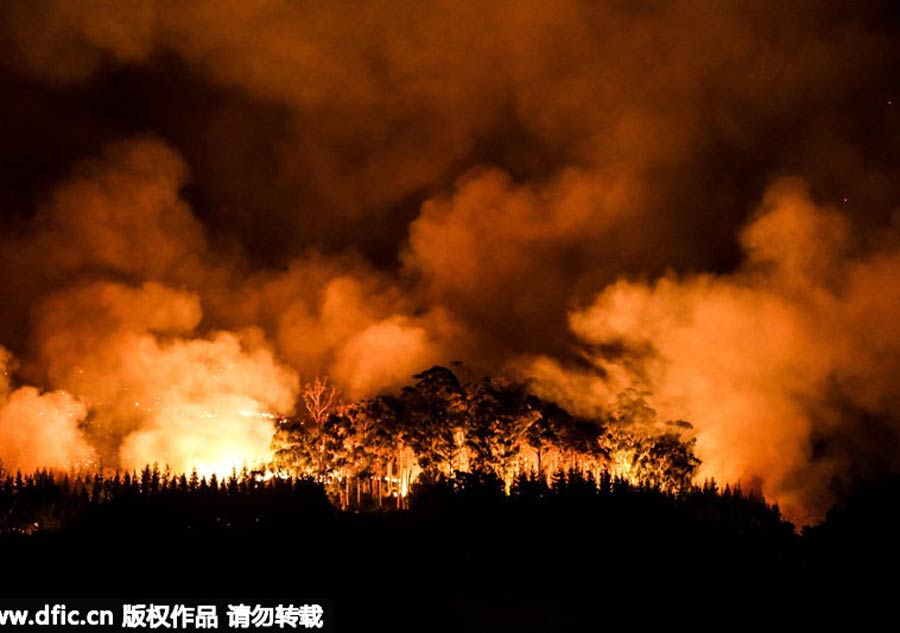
x,y
499,417
434,416
321,399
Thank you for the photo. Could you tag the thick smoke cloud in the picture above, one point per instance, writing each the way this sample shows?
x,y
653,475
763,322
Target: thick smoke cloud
x,y
793,349
39,430
206,202
122,274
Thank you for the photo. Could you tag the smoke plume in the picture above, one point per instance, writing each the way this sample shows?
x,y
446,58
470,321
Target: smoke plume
x,y
774,364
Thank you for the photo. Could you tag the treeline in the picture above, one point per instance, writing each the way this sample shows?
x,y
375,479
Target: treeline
x,y
576,489
573,505
371,451
156,499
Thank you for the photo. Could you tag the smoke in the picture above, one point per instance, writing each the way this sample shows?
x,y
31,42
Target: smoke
x,y
122,272
208,202
774,364
39,430
67,42
157,391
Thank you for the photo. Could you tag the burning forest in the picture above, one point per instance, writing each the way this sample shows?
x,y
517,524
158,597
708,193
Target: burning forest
x,y
439,427
388,253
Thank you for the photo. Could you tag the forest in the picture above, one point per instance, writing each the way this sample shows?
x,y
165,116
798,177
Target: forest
x,y
373,450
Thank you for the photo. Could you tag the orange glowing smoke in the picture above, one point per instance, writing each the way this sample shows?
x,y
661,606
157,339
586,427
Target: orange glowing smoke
x,y
748,357
39,430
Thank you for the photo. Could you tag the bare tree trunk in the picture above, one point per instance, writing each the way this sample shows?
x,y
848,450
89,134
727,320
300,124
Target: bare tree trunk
x,y
390,474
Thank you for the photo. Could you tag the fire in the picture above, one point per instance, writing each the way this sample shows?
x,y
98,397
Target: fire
x,y
623,466
209,440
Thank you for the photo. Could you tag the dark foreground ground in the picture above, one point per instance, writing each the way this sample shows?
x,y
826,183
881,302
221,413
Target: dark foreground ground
x,y
481,564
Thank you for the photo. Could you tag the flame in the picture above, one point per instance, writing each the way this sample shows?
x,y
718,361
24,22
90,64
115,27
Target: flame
x,y
623,466
207,438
